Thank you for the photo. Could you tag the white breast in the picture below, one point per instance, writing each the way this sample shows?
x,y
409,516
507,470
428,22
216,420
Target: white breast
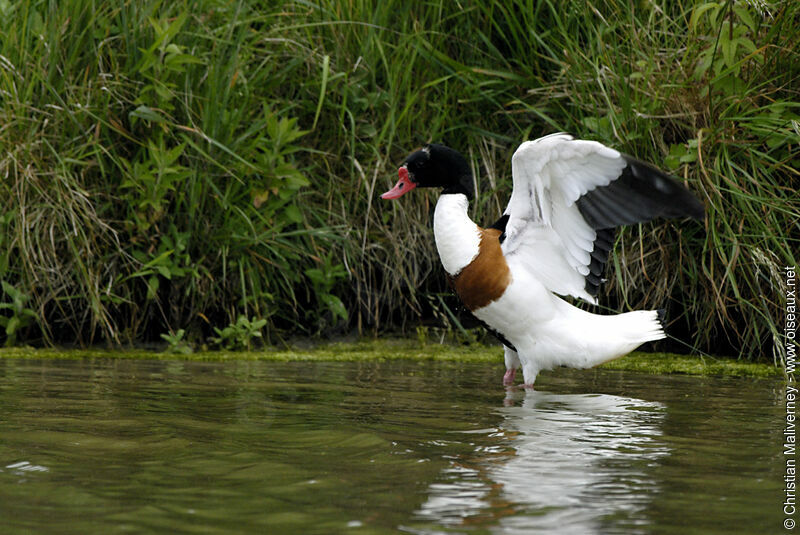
x,y
457,237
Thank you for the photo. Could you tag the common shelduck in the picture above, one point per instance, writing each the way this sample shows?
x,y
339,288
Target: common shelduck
x,y
552,240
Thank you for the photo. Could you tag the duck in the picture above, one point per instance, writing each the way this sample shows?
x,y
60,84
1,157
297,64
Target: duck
x,y
550,246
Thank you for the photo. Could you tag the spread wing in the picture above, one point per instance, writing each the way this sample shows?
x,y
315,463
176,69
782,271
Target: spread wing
x,y
569,195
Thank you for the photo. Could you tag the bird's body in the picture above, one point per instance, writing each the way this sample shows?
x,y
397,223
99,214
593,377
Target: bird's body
x,y
553,239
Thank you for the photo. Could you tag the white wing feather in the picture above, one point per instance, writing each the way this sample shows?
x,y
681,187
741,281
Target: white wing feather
x,y
546,232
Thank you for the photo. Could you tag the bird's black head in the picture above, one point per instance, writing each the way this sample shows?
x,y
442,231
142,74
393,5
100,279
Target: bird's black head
x,y
434,166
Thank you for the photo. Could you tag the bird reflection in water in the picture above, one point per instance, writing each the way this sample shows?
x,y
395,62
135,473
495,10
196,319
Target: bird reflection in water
x,y
572,463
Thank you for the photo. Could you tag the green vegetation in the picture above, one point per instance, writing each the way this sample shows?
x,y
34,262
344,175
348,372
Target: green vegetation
x,y
171,167
239,335
394,349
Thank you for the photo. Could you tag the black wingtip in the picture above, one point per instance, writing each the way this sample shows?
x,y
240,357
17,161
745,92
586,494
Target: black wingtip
x,y
661,314
698,211
603,244
675,199
641,193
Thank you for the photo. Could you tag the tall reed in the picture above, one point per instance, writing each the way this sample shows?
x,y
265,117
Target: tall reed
x,y
179,165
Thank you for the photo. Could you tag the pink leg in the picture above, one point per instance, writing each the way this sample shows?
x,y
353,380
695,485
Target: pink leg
x,y
508,378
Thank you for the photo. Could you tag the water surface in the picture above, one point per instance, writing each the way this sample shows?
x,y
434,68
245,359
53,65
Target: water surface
x,y
126,446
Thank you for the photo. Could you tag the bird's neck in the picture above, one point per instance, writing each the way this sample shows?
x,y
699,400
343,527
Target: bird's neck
x,y
457,237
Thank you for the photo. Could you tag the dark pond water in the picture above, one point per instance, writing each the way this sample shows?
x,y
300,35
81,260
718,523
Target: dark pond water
x,y
124,446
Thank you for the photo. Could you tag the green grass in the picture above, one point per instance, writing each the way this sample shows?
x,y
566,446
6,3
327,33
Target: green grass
x,y
397,349
173,167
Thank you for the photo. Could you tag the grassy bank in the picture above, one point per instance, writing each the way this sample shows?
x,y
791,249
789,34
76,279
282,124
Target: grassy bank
x,y
204,171
395,349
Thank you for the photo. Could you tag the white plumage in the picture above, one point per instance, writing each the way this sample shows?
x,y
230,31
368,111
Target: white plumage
x,y
556,233
546,232
457,236
548,249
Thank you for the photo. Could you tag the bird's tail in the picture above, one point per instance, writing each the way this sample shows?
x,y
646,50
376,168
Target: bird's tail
x,y
610,337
